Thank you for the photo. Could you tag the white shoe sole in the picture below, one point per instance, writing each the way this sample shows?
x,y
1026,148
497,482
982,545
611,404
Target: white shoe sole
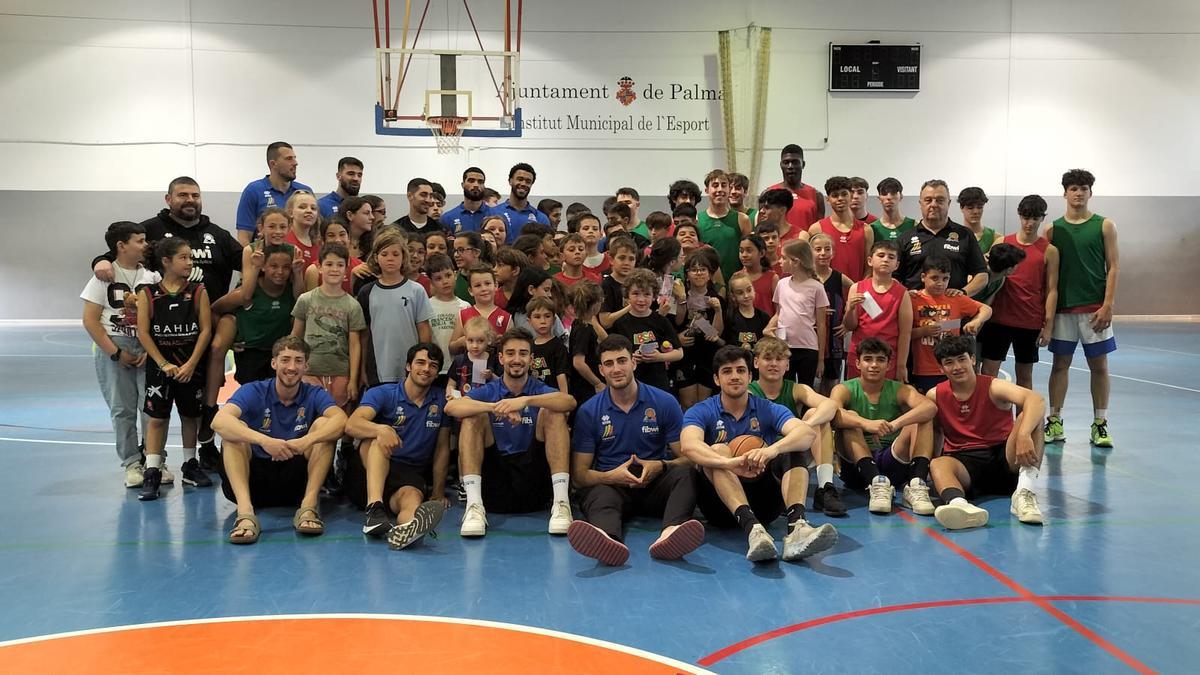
x,y
472,531
1029,519
762,551
824,538
926,510
957,518
559,527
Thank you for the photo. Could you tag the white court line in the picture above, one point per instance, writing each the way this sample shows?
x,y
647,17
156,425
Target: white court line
x,y
516,628
1158,349
1131,379
50,442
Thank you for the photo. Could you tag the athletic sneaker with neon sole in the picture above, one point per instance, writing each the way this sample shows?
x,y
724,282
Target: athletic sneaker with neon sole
x,y
805,540
1054,430
960,516
881,495
1100,437
474,522
916,498
761,546
1025,507
424,521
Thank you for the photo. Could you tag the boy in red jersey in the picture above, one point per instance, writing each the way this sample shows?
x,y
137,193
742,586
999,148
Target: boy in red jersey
x,y
985,451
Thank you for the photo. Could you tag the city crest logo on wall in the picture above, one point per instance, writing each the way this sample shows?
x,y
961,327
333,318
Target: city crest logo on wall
x,y
625,92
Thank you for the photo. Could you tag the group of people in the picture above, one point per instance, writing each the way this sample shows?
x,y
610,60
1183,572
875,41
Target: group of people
x,y
530,358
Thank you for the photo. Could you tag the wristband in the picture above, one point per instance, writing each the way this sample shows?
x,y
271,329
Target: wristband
x,y
115,356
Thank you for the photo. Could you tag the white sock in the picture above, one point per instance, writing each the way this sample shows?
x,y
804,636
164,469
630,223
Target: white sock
x,y
824,474
560,483
959,501
154,461
189,453
1056,412
473,485
1025,476
1101,414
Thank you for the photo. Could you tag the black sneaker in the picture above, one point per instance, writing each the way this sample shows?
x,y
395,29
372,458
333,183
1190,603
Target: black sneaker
x,y
829,500
460,492
193,475
151,479
378,522
210,456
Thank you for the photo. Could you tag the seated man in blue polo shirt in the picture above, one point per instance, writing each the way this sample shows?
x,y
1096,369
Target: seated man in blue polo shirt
x,y
625,464
405,434
759,485
278,443
514,434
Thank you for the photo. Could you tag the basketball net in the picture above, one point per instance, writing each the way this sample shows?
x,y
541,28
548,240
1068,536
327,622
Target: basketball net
x,y
447,131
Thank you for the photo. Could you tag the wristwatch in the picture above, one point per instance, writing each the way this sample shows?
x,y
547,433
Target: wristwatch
x,y
116,356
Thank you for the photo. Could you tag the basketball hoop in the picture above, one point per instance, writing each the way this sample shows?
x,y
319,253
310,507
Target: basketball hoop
x,y
447,131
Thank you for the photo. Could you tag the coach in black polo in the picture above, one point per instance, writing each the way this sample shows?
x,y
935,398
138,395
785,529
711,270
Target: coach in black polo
x,y
937,234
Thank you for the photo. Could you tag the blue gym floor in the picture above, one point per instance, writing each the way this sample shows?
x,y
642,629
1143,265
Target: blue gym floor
x,y
1109,584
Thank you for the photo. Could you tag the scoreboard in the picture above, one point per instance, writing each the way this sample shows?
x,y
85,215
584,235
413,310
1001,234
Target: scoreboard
x,y
874,67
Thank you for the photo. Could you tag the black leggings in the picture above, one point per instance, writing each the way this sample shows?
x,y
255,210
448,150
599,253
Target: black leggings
x,y
802,366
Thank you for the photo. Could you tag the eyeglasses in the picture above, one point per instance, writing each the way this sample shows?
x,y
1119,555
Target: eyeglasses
x,y
465,249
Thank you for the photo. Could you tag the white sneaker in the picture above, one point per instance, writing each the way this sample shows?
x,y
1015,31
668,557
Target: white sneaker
x,y
916,498
168,478
474,522
560,518
1025,507
133,475
762,546
881,493
960,516
805,540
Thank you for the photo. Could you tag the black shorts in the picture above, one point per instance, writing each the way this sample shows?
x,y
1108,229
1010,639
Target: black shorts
x,y
995,338
802,367
833,369
988,469
763,494
252,365
161,391
272,483
399,475
517,483
924,383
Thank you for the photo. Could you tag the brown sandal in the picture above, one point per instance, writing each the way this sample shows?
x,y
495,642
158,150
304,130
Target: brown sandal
x,y
254,528
301,516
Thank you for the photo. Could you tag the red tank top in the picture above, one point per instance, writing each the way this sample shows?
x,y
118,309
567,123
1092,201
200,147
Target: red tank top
x,y
803,212
1021,302
849,248
764,290
309,252
886,326
974,423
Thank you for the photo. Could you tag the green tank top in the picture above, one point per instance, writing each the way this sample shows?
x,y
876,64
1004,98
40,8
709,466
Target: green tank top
x,y
266,319
786,396
1082,266
988,238
724,235
885,233
888,407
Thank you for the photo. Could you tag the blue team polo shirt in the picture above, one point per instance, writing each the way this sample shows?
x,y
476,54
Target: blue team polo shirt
x,y
416,425
328,205
459,219
516,218
611,435
263,412
512,439
762,418
258,196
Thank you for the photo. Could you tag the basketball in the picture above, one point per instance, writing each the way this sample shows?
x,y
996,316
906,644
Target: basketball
x,y
743,444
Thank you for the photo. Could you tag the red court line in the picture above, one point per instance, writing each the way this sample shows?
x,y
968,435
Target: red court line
x,y
1045,605
933,604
